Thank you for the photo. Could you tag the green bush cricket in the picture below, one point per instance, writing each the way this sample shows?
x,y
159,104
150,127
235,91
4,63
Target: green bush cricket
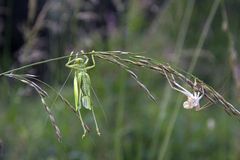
x,y
82,86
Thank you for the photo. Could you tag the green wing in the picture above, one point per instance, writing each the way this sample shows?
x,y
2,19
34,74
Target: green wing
x,y
86,90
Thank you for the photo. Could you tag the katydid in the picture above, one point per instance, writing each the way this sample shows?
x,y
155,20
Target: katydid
x,y
82,86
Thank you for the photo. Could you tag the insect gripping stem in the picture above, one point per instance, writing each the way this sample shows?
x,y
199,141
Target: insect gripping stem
x,y
82,86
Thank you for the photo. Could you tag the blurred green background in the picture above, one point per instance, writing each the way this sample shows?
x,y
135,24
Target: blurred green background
x,y
191,35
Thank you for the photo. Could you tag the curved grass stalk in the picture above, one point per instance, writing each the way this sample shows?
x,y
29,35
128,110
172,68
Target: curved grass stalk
x,y
34,64
58,93
124,58
42,94
117,60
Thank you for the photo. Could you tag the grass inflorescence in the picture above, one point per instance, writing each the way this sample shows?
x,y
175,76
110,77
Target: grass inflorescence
x,y
127,61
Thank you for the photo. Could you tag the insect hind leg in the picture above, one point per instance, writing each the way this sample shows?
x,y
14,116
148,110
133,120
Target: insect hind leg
x,y
83,124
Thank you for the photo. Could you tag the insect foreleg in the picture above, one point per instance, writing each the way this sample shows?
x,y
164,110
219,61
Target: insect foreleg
x,y
70,60
93,65
70,57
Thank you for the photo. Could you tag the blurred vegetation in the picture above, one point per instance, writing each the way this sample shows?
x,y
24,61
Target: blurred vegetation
x,y
191,35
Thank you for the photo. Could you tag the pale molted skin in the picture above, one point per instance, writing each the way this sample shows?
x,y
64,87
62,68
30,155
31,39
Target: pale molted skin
x,y
193,99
